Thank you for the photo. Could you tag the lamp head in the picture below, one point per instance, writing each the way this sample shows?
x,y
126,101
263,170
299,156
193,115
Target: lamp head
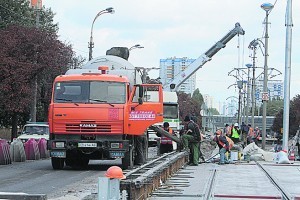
x,y
248,65
253,43
138,46
267,6
110,10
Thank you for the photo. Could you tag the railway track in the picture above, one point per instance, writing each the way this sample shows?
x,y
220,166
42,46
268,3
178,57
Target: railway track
x,y
142,181
285,194
211,194
255,180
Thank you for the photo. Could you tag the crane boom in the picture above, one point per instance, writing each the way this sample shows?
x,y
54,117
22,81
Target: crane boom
x,y
174,84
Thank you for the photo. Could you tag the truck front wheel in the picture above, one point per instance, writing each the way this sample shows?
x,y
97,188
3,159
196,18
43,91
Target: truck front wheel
x,y
127,161
142,150
58,163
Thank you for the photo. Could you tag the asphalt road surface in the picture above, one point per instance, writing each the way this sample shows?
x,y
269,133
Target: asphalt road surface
x,y
38,177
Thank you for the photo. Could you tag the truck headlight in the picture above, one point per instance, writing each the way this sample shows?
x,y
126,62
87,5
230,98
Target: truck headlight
x,y
59,144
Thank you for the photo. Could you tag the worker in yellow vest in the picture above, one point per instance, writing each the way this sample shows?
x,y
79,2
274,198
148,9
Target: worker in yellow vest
x,y
235,133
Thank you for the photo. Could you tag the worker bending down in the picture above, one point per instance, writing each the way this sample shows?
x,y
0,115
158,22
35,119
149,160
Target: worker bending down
x,y
225,144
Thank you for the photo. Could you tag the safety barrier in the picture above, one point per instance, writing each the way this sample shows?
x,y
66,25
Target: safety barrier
x,y
17,151
32,150
42,144
5,158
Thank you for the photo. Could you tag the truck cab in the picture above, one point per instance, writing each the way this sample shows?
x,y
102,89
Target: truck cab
x,y
102,114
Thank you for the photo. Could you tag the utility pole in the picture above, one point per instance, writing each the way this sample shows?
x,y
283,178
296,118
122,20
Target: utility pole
x,y
253,88
38,6
240,86
248,92
287,77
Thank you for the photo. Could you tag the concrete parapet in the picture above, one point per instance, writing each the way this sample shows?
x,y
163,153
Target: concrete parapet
x,y
17,151
22,196
5,158
42,144
32,150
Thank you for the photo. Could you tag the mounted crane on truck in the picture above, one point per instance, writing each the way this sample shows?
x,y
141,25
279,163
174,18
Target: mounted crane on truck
x,y
172,86
102,112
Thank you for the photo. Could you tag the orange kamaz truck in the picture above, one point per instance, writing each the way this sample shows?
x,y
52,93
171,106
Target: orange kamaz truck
x,y
102,112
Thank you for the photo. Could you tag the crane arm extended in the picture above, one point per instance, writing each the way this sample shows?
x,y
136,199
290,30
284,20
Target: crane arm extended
x,y
174,84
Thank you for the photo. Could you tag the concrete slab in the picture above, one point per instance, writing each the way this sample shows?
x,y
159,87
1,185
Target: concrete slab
x,y
241,180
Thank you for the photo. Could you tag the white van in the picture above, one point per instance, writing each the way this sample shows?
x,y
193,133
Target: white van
x,y
36,130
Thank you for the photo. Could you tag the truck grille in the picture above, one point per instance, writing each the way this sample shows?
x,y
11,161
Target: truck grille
x,y
94,127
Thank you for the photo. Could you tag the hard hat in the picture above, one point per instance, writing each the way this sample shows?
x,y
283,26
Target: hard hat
x,y
219,132
115,172
236,124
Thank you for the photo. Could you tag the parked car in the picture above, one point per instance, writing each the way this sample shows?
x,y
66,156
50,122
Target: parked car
x,y
35,130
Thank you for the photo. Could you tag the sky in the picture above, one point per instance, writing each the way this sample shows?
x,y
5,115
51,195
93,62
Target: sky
x,y
177,28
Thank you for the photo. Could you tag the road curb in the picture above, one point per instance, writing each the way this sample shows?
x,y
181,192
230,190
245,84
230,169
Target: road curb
x,y
22,196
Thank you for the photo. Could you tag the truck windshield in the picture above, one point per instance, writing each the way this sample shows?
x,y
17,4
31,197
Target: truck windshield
x,y
170,111
41,130
89,92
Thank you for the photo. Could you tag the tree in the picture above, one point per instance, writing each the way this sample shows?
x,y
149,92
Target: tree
x,y
25,53
198,99
190,106
213,111
294,117
19,12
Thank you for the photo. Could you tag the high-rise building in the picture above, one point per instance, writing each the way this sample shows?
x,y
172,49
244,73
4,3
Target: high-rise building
x,y
275,89
171,67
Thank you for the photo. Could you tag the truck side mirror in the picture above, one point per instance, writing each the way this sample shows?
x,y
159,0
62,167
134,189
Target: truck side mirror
x,y
141,91
141,94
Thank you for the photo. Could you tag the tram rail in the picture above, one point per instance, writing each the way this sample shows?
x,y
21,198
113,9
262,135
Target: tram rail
x,y
285,195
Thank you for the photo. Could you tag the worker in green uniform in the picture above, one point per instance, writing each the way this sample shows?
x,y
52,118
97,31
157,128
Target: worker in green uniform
x,y
191,140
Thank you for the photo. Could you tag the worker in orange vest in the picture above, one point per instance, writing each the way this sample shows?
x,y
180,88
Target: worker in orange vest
x,y
165,144
250,137
224,146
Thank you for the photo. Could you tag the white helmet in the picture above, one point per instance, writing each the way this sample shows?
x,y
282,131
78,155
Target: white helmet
x,y
236,124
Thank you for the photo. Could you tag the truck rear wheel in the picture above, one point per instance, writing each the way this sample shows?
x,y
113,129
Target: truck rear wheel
x,y
57,163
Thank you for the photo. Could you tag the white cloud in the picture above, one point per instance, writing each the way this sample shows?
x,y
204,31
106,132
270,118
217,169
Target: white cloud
x,y
182,29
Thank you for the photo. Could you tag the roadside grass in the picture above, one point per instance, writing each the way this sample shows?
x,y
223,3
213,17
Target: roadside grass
x,y
5,133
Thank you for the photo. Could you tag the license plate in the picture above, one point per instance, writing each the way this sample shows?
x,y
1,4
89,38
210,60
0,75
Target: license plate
x,y
117,154
87,144
114,145
58,154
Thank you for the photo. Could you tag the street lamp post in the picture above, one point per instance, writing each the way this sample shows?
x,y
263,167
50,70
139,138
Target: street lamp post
x,y
137,46
253,44
239,83
91,43
266,7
